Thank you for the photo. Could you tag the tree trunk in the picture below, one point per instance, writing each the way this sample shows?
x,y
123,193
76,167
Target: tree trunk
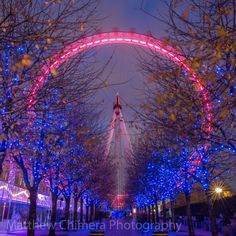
x,y
189,215
146,214
153,214
1,165
32,212
67,214
81,210
86,214
95,212
173,215
53,215
75,213
164,211
149,214
212,217
3,153
157,213
91,213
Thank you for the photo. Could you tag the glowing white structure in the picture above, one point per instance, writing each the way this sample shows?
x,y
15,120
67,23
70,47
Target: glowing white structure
x,y
119,148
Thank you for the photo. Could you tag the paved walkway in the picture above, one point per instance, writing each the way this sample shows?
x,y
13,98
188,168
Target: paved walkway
x,y
107,233
198,232
114,228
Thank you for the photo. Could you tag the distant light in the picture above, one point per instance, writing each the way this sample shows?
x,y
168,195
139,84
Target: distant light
x,y
134,211
218,190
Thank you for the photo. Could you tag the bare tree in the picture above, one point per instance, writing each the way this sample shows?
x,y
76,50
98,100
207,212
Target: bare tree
x,y
31,31
203,32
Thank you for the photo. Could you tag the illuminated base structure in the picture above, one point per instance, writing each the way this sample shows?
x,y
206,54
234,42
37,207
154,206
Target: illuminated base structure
x,y
119,149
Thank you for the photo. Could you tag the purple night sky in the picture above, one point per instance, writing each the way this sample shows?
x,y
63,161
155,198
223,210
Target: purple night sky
x,y
125,15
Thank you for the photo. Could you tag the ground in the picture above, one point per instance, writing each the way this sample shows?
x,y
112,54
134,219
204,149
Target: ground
x,y
119,228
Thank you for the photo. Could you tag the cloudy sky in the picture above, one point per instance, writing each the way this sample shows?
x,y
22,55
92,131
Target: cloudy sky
x,y
125,15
